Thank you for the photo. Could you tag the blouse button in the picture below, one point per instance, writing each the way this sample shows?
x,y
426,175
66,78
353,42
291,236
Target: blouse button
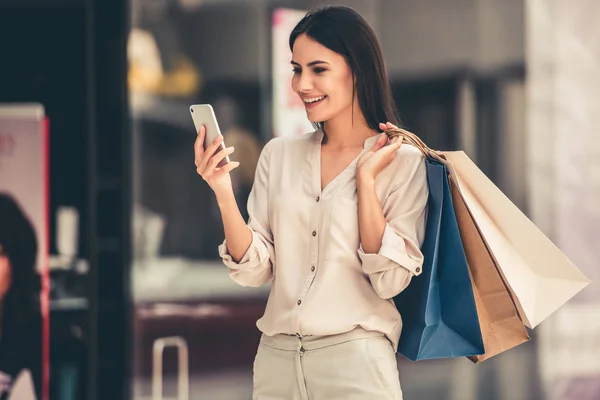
x,y
299,302
312,269
314,233
418,269
318,198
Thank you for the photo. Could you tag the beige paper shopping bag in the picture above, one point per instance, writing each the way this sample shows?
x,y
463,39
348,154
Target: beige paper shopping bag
x,y
501,326
541,278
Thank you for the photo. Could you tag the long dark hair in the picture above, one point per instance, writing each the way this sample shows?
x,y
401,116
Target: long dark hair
x,y
21,305
344,31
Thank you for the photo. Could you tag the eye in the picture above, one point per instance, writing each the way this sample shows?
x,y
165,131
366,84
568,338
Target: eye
x,y
319,70
296,70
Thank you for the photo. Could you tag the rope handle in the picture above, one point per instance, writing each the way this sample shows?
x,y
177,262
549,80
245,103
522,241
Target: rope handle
x,y
411,138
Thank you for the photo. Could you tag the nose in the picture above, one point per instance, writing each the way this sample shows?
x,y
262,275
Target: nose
x,y
302,83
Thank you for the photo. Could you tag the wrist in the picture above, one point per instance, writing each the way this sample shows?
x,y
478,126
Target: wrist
x,y
364,180
225,199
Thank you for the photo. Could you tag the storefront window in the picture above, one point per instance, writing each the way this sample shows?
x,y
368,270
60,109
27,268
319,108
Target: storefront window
x,y
194,328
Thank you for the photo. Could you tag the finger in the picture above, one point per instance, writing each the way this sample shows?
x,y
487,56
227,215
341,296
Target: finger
x,y
380,142
199,144
210,150
389,125
217,158
382,126
392,147
396,142
396,146
227,168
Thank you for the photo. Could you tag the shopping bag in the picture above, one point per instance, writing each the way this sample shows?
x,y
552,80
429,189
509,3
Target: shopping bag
x,y
539,276
438,307
501,326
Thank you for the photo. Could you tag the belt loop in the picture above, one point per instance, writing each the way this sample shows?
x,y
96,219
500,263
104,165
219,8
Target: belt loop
x,y
300,346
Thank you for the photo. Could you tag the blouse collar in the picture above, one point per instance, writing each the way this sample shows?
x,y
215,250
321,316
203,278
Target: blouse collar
x,y
369,142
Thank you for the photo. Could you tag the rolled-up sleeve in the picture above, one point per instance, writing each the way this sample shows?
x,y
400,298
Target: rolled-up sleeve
x,y
256,266
399,257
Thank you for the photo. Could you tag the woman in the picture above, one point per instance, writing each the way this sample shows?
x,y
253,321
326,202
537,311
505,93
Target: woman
x,y
20,318
337,218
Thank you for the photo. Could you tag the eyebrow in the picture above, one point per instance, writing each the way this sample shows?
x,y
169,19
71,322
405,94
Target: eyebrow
x,y
310,64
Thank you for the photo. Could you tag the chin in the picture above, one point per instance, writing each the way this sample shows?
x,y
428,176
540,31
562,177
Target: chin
x,y
317,116
313,119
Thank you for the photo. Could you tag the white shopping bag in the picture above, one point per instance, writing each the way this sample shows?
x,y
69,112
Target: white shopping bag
x,y
540,277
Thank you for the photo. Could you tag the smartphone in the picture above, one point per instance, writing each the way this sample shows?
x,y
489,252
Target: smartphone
x,y
203,114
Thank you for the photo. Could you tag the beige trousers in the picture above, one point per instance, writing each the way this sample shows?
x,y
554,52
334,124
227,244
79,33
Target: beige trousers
x,y
358,365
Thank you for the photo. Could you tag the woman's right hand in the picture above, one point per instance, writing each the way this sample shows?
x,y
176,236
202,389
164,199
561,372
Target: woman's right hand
x,y
207,164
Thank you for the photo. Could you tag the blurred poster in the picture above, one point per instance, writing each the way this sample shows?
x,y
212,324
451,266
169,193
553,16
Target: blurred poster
x,y
289,114
24,252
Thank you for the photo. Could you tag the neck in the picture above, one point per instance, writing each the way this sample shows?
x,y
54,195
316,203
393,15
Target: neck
x,y
344,131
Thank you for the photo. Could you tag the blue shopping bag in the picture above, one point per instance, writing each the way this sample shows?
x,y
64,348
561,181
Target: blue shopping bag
x,y
438,307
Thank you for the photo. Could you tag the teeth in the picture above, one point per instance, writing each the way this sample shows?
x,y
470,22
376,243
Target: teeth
x,y
313,99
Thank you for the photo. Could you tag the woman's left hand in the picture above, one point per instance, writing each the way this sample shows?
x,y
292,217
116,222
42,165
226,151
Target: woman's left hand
x,y
370,164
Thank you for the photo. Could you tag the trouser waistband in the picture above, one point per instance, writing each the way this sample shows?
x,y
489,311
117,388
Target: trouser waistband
x,y
290,342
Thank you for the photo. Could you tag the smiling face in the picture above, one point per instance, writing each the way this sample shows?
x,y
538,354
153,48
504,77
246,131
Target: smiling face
x,y
323,80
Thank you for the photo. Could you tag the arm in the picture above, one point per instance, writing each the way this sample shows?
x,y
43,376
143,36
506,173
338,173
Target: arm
x,y
237,236
371,220
391,233
248,250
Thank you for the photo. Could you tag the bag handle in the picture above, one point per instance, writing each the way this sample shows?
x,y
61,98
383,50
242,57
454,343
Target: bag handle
x,y
411,138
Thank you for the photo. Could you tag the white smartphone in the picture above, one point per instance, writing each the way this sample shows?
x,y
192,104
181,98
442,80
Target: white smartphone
x,y
203,114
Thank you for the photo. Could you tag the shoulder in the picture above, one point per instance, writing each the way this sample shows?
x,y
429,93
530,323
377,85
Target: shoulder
x,y
409,156
408,166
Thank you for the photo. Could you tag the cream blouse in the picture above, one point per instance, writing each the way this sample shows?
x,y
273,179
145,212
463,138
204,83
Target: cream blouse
x,y
306,241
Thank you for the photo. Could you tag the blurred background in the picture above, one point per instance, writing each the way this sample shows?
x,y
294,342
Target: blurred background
x,y
514,83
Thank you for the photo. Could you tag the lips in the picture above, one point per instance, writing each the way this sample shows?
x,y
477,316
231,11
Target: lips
x,y
312,102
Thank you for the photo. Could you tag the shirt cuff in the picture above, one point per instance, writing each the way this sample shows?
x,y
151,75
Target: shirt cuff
x,y
393,253
256,254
